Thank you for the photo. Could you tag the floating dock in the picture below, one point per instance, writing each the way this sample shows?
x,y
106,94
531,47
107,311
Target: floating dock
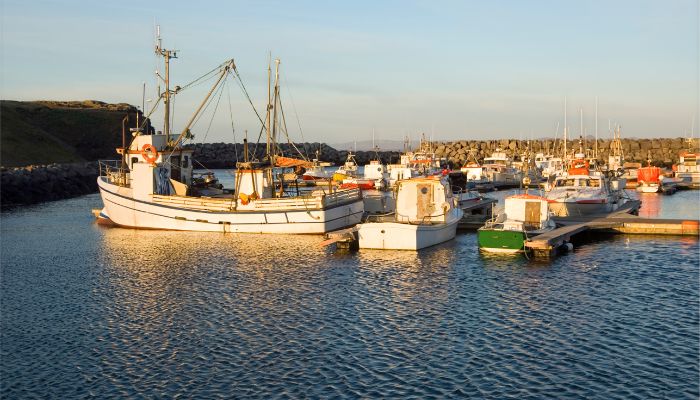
x,y
547,244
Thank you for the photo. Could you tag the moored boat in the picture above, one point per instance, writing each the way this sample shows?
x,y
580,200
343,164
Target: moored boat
x,y
572,195
524,217
688,168
347,170
425,215
151,187
648,179
498,169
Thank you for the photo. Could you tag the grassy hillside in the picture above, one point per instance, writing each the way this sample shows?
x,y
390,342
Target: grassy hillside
x,y
42,132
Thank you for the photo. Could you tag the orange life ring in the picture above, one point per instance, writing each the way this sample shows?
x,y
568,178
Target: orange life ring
x,y
149,153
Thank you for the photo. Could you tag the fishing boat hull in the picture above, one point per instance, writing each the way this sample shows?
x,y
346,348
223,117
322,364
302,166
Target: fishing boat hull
x,y
648,187
575,208
313,178
690,178
402,236
309,215
501,241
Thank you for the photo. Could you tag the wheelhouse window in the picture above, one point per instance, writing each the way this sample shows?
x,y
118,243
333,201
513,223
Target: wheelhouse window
x,y
565,182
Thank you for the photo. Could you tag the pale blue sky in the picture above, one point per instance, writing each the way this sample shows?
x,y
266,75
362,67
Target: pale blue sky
x,y
463,69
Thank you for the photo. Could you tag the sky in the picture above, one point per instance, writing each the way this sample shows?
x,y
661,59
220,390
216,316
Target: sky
x,y
450,69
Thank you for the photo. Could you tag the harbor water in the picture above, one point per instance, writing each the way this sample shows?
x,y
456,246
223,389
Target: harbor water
x,y
90,311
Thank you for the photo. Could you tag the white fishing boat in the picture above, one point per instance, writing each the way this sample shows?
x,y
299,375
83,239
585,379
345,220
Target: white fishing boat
x,y
688,168
317,170
423,161
151,187
425,214
578,192
499,170
525,216
549,165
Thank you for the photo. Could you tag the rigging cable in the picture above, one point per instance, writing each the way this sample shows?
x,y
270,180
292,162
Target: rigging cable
x,y
296,114
202,79
209,101
213,114
304,155
245,91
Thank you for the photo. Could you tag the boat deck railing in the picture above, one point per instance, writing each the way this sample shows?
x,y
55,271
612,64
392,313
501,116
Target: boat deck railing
x,y
307,202
388,217
494,223
113,171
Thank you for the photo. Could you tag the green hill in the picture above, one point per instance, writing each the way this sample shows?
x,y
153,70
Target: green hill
x,y
43,132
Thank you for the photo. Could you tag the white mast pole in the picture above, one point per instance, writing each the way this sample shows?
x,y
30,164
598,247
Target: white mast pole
x,y
595,152
581,138
565,129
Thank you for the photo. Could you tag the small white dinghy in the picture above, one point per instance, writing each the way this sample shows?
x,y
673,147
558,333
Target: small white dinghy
x,y
425,215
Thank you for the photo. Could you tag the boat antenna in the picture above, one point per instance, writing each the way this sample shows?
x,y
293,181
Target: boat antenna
x,y
167,55
373,145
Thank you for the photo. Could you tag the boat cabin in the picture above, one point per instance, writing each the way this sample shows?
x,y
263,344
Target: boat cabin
x,y
473,171
526,212
374,170
153,168
423,200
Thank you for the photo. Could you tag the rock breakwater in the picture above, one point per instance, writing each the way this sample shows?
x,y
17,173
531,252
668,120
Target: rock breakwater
x,y
39,183
661,152
225,155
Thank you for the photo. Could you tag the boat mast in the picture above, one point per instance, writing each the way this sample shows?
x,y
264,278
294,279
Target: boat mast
x,y
167,55
273,140
595,151
580,134
269,102
565,129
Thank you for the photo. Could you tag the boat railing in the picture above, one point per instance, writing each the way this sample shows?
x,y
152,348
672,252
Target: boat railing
x,y
528,225
113,171
380,217
309,202
425,220
197,203
342,196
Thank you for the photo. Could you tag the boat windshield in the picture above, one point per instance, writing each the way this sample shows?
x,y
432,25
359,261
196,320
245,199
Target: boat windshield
x,y
588,183
564,182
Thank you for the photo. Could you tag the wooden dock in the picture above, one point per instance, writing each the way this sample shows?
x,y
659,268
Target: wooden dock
x,y
547,244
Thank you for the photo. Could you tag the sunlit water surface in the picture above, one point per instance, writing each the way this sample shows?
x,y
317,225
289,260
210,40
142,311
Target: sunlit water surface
x,y
110,312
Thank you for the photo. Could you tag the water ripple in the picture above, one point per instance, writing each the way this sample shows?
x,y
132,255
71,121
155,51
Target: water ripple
x,y
87,312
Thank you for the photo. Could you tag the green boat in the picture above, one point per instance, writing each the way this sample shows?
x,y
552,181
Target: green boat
x,y
525,216
497,240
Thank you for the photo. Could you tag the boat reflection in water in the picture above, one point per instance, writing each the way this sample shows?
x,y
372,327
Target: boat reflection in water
x,y
651,205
